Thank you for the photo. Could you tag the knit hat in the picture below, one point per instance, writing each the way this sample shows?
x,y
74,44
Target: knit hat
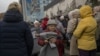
x,y
52,22
70,14
62,17
36,21
76,11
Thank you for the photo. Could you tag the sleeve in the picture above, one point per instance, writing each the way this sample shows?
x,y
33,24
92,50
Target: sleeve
x,y
98,18
29,40
71,26
41,41
59,42
61,28
80,29
43,25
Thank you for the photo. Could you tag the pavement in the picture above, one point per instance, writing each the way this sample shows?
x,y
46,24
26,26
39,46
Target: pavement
x,y
67,53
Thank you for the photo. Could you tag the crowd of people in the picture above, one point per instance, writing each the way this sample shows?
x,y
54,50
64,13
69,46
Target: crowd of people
x,y
80,27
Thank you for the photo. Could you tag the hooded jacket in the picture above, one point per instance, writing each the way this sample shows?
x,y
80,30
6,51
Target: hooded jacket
x,y
72,24
85,31
15,35
44,23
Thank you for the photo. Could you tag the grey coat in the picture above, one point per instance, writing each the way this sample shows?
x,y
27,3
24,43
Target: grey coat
x,y
47,50
60,27
73,44
36,47
97,17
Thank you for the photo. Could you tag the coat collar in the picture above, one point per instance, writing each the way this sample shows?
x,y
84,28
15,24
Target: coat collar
x,y
13,16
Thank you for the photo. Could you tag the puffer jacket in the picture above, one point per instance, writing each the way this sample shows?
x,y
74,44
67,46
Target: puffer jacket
x,y
15,35
85,31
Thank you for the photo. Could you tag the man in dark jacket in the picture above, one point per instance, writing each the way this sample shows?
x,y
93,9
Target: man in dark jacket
x,y
15,35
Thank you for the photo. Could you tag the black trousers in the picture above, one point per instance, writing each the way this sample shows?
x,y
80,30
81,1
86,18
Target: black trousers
x,y
87,53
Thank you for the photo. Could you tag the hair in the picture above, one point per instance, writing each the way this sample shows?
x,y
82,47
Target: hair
x,y
76,11
15,5
36,21
70,14
96,8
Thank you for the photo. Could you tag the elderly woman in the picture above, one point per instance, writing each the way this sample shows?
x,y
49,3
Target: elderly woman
x,y
15,35
51,46
96,11
85,32
97,17
72,24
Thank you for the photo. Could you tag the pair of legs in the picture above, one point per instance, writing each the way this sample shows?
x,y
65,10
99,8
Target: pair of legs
x,y
87,53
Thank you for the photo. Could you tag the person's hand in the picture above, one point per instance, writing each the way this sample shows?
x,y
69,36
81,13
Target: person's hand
x,y
95,13
37,35
53,40
69,41
46,41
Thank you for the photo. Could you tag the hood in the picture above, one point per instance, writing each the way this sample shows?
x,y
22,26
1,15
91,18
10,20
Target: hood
x,y
70,15
13,16
86,11
62,18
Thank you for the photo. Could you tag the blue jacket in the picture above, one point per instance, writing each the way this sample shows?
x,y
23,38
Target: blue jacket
x,y
15,35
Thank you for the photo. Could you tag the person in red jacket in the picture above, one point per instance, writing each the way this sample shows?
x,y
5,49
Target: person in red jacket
x,y
44,23
51,27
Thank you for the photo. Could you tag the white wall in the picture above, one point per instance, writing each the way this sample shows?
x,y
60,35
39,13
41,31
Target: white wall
x,y
80,2
62,6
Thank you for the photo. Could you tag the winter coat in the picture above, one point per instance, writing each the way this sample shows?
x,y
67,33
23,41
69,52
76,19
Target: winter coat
x,y
85,31
97,17
49,51
64,23
36,47
70,29
72,24
44,23
73,46
15,35
60,26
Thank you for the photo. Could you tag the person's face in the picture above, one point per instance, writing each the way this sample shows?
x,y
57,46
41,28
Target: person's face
x,y
52,27
37,25
96,10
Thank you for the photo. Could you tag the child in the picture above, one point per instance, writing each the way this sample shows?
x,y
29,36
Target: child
x,y
46,50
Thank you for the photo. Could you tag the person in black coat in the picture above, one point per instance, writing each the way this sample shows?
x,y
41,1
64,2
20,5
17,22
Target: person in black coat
x,y
15,35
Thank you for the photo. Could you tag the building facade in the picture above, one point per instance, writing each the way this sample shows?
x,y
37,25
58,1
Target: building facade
x,y
64,5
